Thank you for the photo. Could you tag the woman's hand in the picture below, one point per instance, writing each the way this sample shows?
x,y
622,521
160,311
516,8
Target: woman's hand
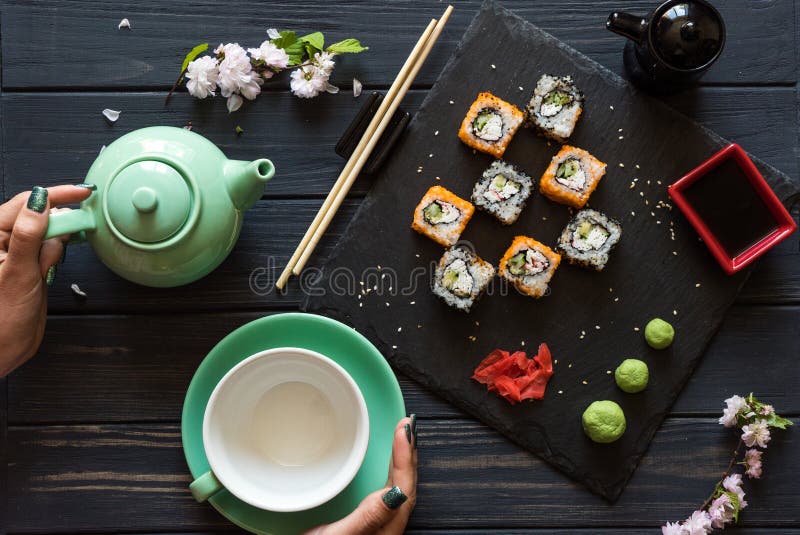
x,y
386,511
27,266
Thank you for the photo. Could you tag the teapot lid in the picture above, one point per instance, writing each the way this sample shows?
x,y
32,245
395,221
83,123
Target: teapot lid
x,y
688,34
148,201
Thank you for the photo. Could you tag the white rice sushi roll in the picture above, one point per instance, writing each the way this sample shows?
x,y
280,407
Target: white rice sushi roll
x,y
461,277
589,238
502,191
554,108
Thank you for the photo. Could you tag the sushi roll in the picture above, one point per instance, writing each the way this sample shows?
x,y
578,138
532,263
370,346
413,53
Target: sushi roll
x,y
529,265
588,239
490,124
502,191
461,277
571,177
555,106
442,215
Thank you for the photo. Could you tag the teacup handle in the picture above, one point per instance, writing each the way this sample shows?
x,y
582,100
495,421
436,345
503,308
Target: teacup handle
x,y
205,486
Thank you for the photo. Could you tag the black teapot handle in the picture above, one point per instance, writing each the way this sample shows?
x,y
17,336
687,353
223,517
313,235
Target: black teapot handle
x,y
627,25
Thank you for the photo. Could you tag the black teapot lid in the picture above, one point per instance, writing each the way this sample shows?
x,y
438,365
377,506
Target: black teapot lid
x,y
687,34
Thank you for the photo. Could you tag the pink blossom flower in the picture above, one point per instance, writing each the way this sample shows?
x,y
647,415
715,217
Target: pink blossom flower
x,y
324,60
236,75
697,524
202,74
752,460
767,410
671,528
271,55
308,81
735,405
756,433
721,511
733,483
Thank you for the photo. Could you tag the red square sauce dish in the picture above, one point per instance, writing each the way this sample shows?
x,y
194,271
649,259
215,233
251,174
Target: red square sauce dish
x,y
732,207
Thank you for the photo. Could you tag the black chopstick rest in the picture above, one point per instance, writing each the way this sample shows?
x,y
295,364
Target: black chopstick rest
x,y
352,135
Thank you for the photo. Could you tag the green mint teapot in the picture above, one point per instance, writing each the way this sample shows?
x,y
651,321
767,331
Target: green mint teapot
x,y
168,206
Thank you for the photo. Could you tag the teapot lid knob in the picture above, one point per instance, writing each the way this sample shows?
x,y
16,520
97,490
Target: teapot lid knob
x,y
148,201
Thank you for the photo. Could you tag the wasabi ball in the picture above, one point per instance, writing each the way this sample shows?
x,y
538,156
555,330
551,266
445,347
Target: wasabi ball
x,y
658,333
603,421
632,376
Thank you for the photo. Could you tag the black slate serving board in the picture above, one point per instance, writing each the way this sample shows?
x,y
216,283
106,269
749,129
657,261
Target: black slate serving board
x,y
649,274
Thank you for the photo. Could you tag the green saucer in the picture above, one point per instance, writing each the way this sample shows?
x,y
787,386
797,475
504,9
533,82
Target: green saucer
x,y
335,340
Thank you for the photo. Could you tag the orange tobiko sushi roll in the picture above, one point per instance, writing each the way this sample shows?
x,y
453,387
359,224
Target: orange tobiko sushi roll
x,y
571,177
442,216
529,265
490,124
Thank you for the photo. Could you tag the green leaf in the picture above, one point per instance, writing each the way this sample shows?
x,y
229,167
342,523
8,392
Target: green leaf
x,y
776,421
735,502
287,39
347,46
316,39
193,53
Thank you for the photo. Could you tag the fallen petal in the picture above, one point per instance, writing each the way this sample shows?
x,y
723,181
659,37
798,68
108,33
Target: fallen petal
x,y
356,87
234,103
272,33
111,115
332,89
77,290
124,23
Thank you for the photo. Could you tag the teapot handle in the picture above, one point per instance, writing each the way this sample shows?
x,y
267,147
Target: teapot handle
x,y
73,221
627,25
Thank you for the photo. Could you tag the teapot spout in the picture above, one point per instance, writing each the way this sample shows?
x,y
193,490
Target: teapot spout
x,y
627,25
245,180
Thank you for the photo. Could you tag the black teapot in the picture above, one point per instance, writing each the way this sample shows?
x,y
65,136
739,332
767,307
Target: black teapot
x,y
671,48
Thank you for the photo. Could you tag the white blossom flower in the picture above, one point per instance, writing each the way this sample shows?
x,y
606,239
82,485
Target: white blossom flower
x,y
273,33
324,60
735,405
236,75
202,74
124,23
697,524
234,102
721,511
767,410
308,81
733,483
271,55
752,460
756,433
671,528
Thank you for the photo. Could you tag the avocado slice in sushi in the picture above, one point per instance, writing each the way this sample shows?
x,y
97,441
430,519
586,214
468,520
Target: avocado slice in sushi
x,y
516,264
440,212
488,125
457,279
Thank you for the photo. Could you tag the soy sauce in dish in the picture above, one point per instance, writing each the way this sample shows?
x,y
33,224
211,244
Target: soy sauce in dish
x,y
731,208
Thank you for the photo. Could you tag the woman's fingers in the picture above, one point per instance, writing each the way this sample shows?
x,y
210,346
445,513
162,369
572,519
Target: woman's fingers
x,y
50,256
28,232
374,511
58,196
404,473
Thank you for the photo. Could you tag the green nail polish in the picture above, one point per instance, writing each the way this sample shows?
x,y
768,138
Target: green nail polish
x,y
86,185
408,432
414,428
37,201
51,275
394,498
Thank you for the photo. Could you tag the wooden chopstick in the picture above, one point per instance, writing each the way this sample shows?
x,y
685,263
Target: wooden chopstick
x,y
362,144
363,156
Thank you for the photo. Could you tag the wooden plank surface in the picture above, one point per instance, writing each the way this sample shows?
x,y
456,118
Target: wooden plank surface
x,y
39,39
52,138
104,374
134,477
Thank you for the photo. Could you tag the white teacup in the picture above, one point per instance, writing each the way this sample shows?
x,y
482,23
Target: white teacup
x,y
284,430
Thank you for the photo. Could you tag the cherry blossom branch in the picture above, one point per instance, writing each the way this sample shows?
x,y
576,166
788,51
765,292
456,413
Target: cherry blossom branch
x,y
725,474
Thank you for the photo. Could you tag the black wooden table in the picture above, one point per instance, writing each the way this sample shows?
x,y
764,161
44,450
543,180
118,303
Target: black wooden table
x,y
91,424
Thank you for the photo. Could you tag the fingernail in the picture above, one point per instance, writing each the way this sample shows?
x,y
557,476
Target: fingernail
x,y
51,275
37,201
408,432
86,185
414,428
394,498
63,254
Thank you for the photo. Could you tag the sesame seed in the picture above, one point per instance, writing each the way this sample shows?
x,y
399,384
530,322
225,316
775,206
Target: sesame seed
x,y
583,333
581,337
394,347
451,102
646,202
633,213
399,329
658,222
652,213
383,275
521,88
608,372
597,327
636,329
658,182
419,326
522,343
360,305
616,299
620,130
621,164
697,285
544,219
436,133
674,312
477,324
622,137
637,166
417,255
641,194
611,108
569,365
387,303
675,253
611,289
585,382
437,178
493,67
555,361
430,155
